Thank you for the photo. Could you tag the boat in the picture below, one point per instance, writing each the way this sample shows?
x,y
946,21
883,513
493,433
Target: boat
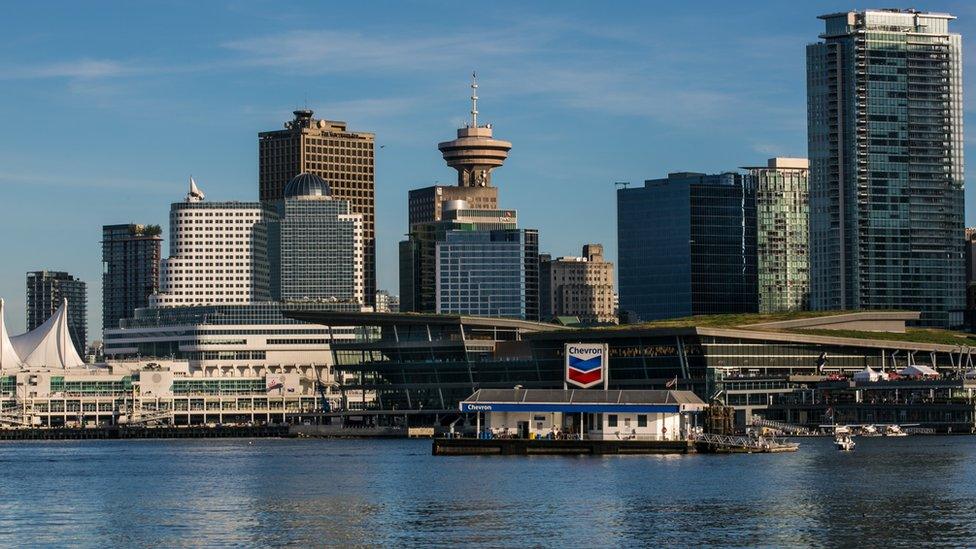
x,y
894,431
844,442
870,431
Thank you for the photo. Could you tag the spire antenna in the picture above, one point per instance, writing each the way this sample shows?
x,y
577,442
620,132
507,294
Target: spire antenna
x,y
474,99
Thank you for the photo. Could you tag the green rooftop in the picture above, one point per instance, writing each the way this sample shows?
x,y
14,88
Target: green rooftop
x,y
749,320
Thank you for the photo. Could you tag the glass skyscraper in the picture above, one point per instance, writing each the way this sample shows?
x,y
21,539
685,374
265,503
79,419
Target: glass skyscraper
x,y
884,92
687,246
489,273
130,269
316,245
46,291
782,234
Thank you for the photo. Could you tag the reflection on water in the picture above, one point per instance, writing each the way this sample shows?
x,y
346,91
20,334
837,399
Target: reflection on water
x,y
910,491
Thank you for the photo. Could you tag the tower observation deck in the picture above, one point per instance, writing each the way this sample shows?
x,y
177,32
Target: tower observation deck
x,y
475,153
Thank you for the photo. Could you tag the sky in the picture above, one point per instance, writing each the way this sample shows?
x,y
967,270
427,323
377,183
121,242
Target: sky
x,y
106,108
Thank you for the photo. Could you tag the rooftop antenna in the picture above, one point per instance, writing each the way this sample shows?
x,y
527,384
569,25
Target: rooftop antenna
x,y
474,99
623,184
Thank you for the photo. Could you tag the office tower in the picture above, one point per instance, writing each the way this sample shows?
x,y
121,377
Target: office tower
x,y
442,270
687,246
315,245
217,253
884,103
130,269
489,273
329,150
782,251
578,286
46,292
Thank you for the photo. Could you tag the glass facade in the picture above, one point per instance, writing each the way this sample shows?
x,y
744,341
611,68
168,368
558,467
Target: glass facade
x,y
45,292
130,269
782,251
429,366
488,273
885,137
316,251
687,246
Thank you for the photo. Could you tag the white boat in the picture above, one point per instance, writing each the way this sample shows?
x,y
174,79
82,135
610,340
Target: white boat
x,y
844,443
894,431
870,431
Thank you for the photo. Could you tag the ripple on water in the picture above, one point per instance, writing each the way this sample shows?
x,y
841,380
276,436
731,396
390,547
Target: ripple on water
x,y
914,491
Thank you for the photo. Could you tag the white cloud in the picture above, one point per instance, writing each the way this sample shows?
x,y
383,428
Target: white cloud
x,y
82,68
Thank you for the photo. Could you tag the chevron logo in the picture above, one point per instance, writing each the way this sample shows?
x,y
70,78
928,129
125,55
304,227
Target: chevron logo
x,y
585,364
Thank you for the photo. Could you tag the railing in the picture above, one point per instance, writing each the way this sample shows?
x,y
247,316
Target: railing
x,y
731,441
781,426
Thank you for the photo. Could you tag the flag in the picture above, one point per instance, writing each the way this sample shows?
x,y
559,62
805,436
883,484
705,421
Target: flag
x,y
673,383
821,362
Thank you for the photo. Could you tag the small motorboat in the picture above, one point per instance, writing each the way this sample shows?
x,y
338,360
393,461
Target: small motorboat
x,y
844,442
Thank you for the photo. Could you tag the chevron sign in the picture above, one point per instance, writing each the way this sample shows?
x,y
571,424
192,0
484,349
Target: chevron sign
x,y
586,364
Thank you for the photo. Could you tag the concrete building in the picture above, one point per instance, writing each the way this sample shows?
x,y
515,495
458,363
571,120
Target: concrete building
x,y
329,150
885,133
578,286
217,253
386,303
782,239
131,257
315,245
687,246
47,292
462,249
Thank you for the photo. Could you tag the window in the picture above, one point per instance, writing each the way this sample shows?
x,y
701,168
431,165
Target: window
x,y
612,420
641,420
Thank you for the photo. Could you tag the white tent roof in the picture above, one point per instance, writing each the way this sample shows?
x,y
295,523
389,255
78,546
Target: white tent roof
x,y
867,374
8,357
918,370
49,345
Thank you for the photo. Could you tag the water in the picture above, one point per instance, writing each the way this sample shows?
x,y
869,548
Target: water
x,y
907,491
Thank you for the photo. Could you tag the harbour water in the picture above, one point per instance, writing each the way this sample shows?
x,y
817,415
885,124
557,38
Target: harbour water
x,y
908,491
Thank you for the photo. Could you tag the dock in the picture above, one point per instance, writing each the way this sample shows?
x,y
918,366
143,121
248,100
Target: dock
x,y
728,444
522,446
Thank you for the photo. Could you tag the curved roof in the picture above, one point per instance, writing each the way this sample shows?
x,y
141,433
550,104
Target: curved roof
x,y
8,357
307,184
49,345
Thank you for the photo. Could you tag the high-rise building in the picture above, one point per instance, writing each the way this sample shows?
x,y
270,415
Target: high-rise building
x,y
315,245
464,255
329,150
969,252
217,253
578,286
884,104
488,273
687,246
782,250
46,292
130,269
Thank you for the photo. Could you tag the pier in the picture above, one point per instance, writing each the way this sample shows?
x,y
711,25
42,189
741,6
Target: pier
x,y
517,446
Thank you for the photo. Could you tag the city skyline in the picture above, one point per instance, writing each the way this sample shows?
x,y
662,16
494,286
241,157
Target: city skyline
x,y
141,122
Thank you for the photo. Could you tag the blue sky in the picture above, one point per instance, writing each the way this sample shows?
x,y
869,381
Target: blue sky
x,y
106,108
